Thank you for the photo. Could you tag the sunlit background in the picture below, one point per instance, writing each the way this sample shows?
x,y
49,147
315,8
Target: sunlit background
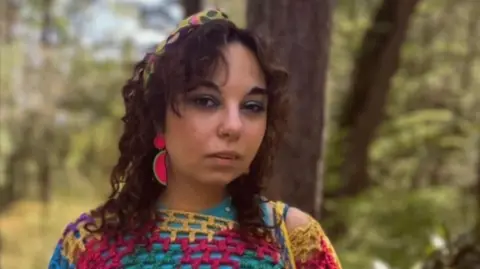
x,y
62,65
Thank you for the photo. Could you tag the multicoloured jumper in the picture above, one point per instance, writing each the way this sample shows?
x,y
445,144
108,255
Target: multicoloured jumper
x,y
194,240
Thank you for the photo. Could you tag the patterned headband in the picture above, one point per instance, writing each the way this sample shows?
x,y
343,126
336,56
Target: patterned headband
x,y
183,29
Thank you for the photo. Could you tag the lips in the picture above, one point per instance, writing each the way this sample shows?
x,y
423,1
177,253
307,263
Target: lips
x,y
226,155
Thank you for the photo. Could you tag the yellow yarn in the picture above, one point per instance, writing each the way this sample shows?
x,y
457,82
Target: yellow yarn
x,y
302,242
193,224
190,224
74,245
306,241
278,210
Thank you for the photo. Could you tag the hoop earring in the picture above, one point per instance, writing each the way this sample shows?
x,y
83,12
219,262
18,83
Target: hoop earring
x,y
159,163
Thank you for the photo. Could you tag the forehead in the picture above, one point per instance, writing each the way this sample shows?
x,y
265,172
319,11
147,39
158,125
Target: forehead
x,y
241,69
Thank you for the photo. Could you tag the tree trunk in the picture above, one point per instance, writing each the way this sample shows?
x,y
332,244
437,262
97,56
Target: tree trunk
x,y
10,15
300,31
477,194
47,23
370,84
362,114
191,7
16,174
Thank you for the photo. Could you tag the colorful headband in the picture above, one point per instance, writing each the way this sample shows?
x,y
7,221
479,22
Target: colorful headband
x,y
183,29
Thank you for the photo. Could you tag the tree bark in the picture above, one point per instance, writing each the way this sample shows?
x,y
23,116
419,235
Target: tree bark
x,y
477,194
47,23
9,19
300,31
364,108
191,7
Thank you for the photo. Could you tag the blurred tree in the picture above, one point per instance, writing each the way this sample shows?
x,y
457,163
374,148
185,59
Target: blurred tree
x,y
464,251
422,157
363,109
42,154
477,228
9,190
300,31
48,26
234,8
191,7
10,10
158,17
423,160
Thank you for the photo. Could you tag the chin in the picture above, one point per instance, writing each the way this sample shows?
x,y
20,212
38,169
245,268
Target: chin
x,y
218,179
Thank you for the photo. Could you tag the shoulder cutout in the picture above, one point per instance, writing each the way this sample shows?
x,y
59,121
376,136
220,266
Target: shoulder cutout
x,y
296,218
310,246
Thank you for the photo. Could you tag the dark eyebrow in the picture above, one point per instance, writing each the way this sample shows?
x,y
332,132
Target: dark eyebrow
x,y
206,84
257,91
211,85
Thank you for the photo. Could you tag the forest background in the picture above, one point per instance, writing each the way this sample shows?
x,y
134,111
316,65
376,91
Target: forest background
x,y
384,145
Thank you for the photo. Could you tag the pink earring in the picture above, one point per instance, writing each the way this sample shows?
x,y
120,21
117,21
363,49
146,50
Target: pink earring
x,y
159,163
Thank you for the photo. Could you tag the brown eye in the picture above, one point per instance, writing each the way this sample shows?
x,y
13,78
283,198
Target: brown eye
x,y
255,107
205,102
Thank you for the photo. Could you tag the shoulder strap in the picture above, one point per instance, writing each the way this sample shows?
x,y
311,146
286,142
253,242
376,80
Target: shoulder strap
x,y
279,216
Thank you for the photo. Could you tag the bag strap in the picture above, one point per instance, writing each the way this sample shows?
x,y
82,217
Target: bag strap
x,y
279,217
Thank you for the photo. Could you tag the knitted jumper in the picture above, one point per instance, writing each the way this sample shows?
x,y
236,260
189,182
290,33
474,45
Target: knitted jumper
x,y
191,240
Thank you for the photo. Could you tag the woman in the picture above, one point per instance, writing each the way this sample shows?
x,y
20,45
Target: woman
x,y
203,116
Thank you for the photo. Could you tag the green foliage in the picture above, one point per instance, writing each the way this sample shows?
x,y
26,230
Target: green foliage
x,y
424,157
398,226
422,161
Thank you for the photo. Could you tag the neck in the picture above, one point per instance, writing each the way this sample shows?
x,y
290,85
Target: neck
x,y
182,194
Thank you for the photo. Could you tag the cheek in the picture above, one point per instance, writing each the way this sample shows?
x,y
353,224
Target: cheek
x,y
255,134
184,135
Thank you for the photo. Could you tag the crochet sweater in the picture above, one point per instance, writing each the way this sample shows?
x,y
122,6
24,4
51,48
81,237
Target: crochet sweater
x,y
192,240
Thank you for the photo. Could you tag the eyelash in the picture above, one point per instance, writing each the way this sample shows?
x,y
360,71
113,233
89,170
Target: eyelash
x,y
207,102
255,107
201,101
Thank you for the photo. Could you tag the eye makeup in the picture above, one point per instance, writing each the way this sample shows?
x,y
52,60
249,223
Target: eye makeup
x,y
207,96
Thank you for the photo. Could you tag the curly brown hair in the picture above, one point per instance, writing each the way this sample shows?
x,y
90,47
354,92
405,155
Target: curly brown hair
x,y
180,68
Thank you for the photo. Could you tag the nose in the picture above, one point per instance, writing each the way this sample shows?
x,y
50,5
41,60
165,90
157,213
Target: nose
x,y
231,125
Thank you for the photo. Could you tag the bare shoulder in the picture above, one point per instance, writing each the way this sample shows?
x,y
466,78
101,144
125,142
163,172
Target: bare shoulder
x,y
296,218
308,241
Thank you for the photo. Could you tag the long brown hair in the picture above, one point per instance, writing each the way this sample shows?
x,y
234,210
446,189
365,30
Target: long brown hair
x,y
131,204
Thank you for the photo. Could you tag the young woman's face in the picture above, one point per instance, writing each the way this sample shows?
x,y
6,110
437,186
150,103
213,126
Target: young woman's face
x,y
222,123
